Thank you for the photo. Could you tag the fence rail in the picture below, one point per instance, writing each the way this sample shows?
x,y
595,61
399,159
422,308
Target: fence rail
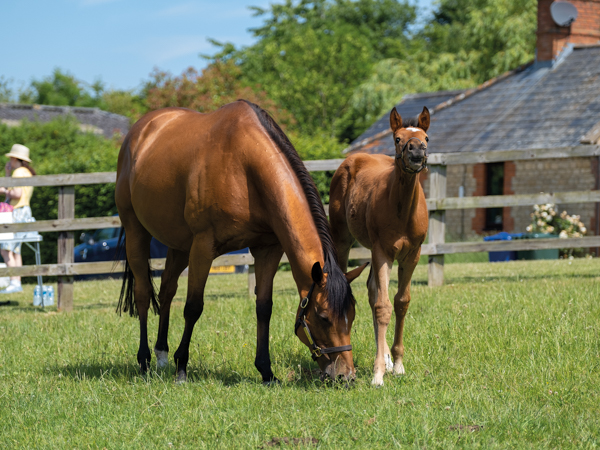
x,y
66,269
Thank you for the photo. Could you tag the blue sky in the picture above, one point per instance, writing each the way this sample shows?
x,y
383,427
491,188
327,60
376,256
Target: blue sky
x,y
118,41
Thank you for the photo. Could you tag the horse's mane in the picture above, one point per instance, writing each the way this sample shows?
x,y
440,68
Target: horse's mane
x,y
339,292
410,122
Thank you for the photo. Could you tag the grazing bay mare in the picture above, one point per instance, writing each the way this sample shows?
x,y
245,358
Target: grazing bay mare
x,y
378,201
208,184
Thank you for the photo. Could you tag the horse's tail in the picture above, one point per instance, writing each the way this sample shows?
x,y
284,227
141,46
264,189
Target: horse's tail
x,y
126,301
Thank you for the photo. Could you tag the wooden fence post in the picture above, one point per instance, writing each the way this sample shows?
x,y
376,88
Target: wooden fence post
x,y
66,245
437,224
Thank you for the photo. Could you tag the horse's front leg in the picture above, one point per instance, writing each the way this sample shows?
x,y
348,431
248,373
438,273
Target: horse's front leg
x,y
201,257
177,261
401,303
377,285
266,264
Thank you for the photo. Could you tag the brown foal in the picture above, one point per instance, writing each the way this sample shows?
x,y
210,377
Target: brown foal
x,y
378,201
208,184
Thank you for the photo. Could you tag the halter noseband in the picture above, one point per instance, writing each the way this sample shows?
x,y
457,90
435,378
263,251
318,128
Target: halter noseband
x,y
400,156
315,350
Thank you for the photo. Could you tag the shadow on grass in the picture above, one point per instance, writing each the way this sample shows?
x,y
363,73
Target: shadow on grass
x,y
306,375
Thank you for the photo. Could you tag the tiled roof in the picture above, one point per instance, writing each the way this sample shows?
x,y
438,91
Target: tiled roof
x,y
538,107
91,119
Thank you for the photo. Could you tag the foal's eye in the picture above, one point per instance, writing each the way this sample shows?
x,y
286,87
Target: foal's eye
x,y
397,140
426,139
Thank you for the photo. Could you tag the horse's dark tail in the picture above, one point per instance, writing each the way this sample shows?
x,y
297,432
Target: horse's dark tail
x,y
126,300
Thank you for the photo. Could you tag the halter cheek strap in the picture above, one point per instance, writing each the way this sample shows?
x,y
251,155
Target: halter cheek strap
x,y
315,350
400,156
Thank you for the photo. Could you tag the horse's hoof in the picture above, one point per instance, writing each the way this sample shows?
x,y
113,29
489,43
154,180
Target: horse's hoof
x,y
399,369
377,381
181,377
273,382
144,368
389,365
162,358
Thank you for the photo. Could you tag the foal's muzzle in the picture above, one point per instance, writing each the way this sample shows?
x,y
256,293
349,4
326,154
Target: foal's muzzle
x,y
419,159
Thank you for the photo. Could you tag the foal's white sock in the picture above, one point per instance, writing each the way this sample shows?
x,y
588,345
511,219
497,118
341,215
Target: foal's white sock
x,y
15,282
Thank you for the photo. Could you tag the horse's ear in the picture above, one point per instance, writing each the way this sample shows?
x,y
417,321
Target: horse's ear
x,y
395,120
424,119
317,273
355,273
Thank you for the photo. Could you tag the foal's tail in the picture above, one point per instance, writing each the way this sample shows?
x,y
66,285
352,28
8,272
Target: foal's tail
x,y
126,301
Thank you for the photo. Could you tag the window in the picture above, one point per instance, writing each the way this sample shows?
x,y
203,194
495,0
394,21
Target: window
x,y
495,186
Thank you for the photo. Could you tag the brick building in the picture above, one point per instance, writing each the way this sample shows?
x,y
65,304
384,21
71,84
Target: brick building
x,y
91,119
553,102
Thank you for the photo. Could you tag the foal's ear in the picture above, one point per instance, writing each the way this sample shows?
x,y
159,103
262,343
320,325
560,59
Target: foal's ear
x,y
395,120
424,119
317,273
355,273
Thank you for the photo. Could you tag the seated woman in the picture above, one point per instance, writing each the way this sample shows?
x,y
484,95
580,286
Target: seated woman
x,y
19,197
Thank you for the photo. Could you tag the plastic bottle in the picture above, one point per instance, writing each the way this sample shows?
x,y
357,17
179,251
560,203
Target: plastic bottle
x,y
48,295
37,296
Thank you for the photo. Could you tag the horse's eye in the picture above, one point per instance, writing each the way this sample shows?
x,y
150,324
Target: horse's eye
x,y
426,139
323,315
397,140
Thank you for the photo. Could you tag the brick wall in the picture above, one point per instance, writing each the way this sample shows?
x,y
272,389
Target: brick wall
x,y
584,30
554,175
520,177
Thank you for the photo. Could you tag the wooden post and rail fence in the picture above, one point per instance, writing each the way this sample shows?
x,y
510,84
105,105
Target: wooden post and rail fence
x,y
65,268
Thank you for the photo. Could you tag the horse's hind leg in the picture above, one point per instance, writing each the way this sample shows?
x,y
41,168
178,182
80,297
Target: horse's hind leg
x,y
177,261
201,256
137,243
266,264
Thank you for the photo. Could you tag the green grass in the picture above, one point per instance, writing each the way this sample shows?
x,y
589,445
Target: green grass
x,y
505,355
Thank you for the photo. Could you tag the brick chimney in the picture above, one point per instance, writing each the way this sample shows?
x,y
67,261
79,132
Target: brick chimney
x,y
551,38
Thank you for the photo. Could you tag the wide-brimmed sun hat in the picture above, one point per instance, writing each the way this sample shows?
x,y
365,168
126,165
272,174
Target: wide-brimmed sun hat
x,y
20,152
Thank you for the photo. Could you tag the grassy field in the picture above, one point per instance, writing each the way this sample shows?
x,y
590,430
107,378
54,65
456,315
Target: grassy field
x,y
505,355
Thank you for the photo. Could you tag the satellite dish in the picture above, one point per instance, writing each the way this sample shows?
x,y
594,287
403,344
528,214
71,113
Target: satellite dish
x,y
563,13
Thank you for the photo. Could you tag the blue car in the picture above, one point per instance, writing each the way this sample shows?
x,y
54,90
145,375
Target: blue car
x,y
102,246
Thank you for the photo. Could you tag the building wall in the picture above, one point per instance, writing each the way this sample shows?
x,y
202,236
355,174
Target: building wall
x,y
555,175
520,177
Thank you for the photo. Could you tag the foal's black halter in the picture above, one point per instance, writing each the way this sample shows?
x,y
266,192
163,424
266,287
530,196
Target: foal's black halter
x,y
400,156
315,350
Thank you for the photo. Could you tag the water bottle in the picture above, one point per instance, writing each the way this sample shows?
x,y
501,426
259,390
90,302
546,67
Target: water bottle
x,y
37,296
48,295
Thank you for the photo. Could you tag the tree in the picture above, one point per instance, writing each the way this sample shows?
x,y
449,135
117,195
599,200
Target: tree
x,y
310,55
466,43
220,83
497,35
6,93
63,89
